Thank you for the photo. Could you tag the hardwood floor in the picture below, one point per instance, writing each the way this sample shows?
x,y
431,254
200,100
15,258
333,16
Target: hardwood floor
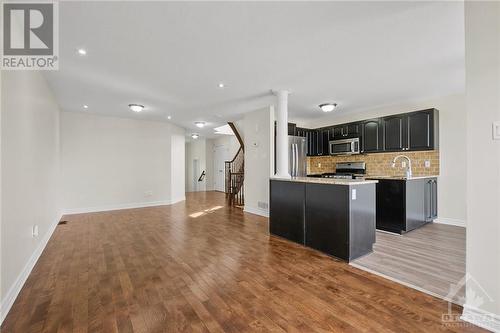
x,y
199,266
431,258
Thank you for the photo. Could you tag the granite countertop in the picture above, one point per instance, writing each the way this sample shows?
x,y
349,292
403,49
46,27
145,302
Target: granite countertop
x,y
331,181
399,177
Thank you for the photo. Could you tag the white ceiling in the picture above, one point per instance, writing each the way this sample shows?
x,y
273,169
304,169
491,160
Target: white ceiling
x,y
170,56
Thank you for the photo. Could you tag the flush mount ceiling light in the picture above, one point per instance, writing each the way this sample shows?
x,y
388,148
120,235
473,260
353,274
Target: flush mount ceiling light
x,y
136,107
200,124
328,107
195,136
82,52
85,106
221,85
169,117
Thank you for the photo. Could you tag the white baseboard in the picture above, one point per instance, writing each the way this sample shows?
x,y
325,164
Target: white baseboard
x,y
481,318
14,290
176,200
256,211
450,221
121,206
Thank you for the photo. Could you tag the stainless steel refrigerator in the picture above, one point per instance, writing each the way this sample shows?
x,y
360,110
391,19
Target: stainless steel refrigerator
x,y
297,156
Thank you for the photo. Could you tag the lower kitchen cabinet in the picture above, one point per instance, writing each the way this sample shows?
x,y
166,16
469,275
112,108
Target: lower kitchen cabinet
x,y
327,216
286,216
338,220
430,199
404,205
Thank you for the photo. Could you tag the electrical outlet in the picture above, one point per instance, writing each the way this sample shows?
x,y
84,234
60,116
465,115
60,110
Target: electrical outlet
x,y
34,231
319,165
427,164
403,164
148,193
354,194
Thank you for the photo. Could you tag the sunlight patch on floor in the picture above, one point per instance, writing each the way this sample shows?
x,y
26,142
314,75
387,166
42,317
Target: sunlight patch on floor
x,y
204,212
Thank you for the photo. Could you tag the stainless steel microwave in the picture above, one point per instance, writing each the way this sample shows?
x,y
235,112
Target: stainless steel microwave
x,y
344,147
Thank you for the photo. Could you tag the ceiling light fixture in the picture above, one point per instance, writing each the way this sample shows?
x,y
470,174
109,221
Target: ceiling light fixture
x,y
195,136
136,107
82,52
85,106
169,117
200,124
328,107
221,85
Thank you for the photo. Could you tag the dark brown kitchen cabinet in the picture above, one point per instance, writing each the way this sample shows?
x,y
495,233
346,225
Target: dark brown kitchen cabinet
x,y
404,205
287,209
312,142
423,130
323,139
371,136
394,129
411,131
346,131
301,131
338,220
431,202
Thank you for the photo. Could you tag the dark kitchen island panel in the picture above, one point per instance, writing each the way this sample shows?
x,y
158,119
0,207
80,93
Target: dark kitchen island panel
x,y
339,216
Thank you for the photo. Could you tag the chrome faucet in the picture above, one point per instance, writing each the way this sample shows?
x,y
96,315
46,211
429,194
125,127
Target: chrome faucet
x,y
408,168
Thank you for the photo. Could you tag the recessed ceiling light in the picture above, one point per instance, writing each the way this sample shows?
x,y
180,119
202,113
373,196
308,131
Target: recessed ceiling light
x,y
221,85
195,136
85,106
136,107
328,107
169,117
82,52
200,124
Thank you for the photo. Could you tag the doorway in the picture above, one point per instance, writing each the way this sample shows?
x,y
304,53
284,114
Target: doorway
x,y
221,154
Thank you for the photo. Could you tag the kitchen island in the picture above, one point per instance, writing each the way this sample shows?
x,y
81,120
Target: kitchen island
x,y
334,216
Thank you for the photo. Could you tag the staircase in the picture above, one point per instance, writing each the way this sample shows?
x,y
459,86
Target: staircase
x,y
235,174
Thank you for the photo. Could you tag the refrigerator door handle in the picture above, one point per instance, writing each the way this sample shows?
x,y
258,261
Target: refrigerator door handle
x,y
293,160
296,160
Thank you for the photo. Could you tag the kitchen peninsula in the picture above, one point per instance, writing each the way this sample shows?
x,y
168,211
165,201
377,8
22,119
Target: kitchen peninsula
x,y
334,216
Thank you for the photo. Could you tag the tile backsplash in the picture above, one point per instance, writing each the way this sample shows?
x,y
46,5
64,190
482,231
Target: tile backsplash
x,y
379,164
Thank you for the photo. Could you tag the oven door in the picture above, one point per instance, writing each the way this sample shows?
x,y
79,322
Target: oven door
x,y
344,147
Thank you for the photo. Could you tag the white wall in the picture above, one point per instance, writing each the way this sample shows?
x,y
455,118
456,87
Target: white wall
x,y
110,163
30,176
178,188
195,150
452,142
482,52
259,140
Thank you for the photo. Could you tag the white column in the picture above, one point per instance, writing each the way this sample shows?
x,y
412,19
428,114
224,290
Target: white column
x,y
282,135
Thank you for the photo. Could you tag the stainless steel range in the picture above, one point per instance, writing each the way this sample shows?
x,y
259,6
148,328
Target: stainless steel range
x,y
347,170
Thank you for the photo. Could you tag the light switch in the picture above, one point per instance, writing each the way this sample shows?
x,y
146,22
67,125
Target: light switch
x,y
427,163
496,130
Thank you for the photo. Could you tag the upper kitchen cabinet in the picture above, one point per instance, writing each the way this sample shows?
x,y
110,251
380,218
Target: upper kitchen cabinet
x,y
371,136
423,130
346,131
411,131
395,132
323,140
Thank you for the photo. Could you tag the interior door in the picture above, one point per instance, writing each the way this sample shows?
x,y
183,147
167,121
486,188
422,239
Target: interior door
x,y
220,156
